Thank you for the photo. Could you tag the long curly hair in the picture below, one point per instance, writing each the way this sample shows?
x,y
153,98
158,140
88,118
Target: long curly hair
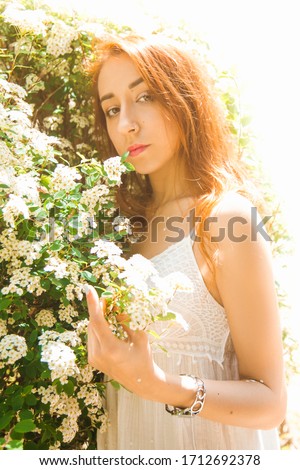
x,y
181,84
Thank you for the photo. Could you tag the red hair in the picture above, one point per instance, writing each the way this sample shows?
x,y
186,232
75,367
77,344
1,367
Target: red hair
x,y
186,92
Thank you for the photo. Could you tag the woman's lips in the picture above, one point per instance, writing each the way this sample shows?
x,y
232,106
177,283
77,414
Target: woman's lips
x,y
135,150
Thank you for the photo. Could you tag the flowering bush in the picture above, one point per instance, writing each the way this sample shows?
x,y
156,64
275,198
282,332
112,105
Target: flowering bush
x,y
47,217
59,230
58,233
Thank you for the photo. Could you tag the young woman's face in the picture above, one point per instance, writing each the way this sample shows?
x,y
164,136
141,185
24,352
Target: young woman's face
x,y
136,122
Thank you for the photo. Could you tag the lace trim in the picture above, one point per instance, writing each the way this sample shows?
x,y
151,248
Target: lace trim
x,y
187,348
209,328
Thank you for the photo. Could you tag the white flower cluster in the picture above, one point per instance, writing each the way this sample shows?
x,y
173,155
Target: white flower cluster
x,y
23,141
81,328
67,313
137,270
6,173
20,189
140,313
122,224
106,249
68,337
33,83
17,251
3,328
21,279
6,158
114,169
64,178
60,357
62,405
25,20
11,90
25,186
61,361
93,198
66,269
60,38
14,207
12,348
53,122
57,266
86,372
42,143
92,399
150,293
81,121
45,318
63,67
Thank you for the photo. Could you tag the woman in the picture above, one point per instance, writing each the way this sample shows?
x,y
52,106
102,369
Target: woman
x,y
225,374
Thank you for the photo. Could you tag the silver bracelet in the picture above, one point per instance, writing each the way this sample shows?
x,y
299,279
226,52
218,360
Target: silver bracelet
x,y
196,407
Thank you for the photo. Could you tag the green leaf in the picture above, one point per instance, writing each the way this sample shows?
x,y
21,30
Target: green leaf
x,y
31,400
76,252
6,419
115,384
26,425
40,213
4,303
17,402
69,388
124,157
11,389
46,374
45,181
154,334
162,348
56,246
33,336
129,166
45,283
27,389
60,195
25,415
106,293
30,356
245,121
14,444
88,276
167,317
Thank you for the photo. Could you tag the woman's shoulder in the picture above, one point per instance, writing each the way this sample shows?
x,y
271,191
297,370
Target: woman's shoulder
x,y
234,219
233,204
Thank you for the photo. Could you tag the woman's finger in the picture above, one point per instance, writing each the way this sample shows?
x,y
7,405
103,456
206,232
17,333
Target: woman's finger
x,y
93,347
96,308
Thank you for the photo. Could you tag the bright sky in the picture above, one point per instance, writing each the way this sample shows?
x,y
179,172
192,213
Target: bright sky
x,y
260,40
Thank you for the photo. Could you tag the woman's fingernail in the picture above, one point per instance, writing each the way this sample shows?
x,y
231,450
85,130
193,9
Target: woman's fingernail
x,y
86,289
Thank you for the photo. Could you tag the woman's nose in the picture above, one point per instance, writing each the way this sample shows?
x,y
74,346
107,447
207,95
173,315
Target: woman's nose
x,y
128,122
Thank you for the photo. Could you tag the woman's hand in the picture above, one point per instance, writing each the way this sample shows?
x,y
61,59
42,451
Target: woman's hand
x,y
130,361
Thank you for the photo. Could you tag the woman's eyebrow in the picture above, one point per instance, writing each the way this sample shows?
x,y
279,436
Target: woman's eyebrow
x,y
130,86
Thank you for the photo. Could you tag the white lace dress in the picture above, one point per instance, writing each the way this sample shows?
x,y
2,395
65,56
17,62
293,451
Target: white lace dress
x,y
205,350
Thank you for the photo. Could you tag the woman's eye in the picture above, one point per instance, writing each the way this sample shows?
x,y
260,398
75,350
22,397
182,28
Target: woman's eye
x,y
145,97
111,112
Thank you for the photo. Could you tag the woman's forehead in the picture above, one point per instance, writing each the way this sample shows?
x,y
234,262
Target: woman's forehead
x,y
117,71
